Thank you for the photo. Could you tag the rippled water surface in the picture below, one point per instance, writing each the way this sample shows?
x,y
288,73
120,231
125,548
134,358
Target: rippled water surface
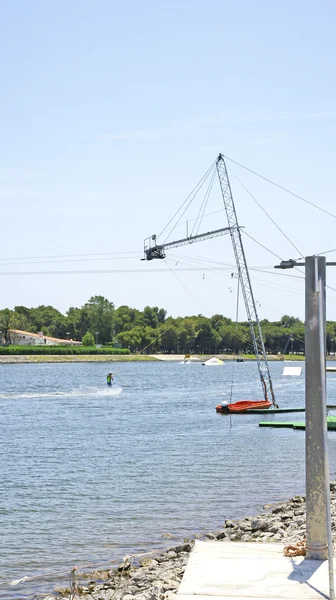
x,y
90,473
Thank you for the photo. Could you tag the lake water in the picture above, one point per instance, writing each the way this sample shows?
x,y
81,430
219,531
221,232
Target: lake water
x,y
89,474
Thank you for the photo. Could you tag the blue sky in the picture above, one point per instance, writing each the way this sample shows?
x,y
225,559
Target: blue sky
x,y
111,112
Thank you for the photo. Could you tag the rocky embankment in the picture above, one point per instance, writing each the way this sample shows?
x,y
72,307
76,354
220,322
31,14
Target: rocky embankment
x,y
158,576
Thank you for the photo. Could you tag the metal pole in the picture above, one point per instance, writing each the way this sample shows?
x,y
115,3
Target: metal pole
x,y
318,523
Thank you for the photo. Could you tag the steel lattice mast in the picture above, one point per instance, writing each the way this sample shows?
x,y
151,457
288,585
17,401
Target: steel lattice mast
x,y
244,279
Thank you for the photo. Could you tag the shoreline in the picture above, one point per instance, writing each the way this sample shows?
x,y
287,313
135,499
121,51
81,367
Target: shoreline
x,y
158,574
73,358
70,358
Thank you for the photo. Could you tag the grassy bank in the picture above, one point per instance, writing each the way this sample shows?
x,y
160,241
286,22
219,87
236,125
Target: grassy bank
x,y
29,359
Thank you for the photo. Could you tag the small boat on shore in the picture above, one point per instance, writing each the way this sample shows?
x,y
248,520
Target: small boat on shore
x,y
242,406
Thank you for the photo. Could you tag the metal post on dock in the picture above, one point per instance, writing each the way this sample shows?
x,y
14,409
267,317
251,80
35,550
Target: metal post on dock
x,y
318,513
318,528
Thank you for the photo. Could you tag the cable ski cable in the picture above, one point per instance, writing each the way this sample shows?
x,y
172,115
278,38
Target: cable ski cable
x,y
204,204
281,187
136,252
262,282
244,338
199,184
179,280
326,252
215,212
259,269
107,271
224,267
186,208
266,213
209,192
262,245
70,260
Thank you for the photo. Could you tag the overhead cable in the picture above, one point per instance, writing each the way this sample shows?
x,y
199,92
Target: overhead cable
x,y
281,187
98,271
266,213
191,196
49,262
262,245
258,269
67,255
204,204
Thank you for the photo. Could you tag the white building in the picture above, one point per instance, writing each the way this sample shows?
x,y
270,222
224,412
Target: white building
x,y
26,338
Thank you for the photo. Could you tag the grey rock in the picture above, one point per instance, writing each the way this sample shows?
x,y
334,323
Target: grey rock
x,y
229,523
133,589
235,537
260,525
275,528
222,535
246,526
298,500
278,509
154,593
170,585
183,548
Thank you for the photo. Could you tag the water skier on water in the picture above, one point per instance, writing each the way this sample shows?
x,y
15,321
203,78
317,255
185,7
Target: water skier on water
x,y
109,378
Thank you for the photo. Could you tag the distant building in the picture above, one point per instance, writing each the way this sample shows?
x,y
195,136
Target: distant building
x,y
26,338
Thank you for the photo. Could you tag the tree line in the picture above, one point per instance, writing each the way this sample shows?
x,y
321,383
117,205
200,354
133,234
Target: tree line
x,y
151,330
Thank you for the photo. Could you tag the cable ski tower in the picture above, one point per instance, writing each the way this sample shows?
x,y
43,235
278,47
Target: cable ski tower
x,y
244,279
153,250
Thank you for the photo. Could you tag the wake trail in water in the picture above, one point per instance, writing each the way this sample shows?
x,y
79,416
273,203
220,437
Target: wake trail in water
x,y
87,392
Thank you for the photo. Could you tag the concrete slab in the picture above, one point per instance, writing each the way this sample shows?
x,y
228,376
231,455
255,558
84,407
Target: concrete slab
x,y
233,570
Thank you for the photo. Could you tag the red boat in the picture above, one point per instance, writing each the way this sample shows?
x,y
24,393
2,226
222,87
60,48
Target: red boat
x,y
242,406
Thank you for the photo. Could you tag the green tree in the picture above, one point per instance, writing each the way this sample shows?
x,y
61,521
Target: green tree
x,y
124,318
169,337
150,316
101,313
161,313
23,318
47,319
208,339
287,321
88,339
186,334
7,324
131,339
78,322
